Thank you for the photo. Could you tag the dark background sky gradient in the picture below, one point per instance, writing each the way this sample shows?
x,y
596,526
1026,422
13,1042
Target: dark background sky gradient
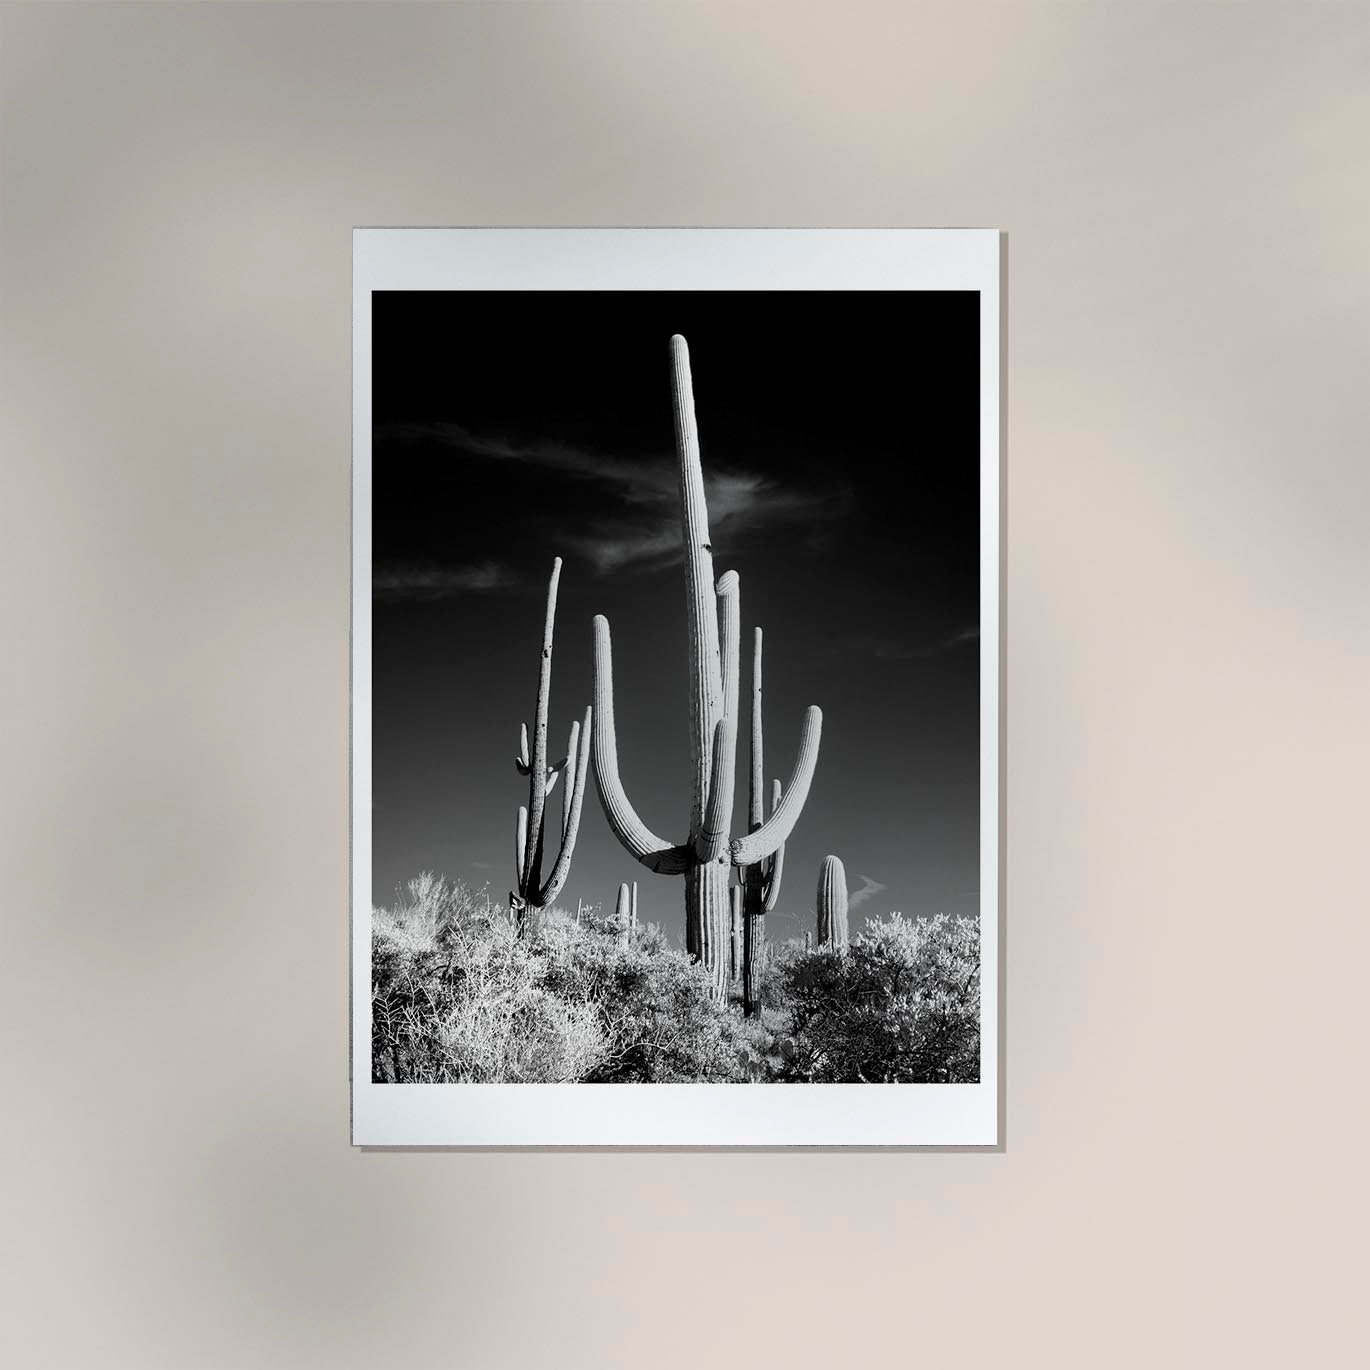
x,y
839,434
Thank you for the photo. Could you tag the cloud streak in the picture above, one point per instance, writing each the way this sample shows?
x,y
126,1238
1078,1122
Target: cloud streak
x,y
438,582
869,889
901,649
647,532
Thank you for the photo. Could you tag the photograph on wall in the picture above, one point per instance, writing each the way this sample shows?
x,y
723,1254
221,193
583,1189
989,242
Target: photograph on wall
x,y
674,652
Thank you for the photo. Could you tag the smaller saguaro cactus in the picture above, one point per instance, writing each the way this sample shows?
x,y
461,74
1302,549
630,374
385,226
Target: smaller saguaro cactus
x,y
530,888
632,908
808,941
832,904
623,911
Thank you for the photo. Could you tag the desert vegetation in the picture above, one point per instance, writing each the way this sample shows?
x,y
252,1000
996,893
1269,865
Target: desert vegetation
x,y
461,994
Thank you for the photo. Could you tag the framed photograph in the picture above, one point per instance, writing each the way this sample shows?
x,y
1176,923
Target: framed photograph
x,y
675,687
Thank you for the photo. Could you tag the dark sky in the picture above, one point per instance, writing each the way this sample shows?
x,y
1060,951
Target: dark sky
x,y
839,436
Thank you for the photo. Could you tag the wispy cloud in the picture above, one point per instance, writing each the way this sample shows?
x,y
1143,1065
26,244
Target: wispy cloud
x,y
649,534
549,453
869,889
911,648
438,582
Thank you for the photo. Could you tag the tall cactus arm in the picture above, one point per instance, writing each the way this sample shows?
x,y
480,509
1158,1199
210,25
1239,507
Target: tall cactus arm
x,y
570,764
706,687
712,839
767,838
775,867
641,843
521,848
521,760
575,795
757,814
537,797
729,632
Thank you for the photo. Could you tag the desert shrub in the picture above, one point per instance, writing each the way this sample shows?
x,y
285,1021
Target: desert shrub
x,y
661,1024
900,1005
456,996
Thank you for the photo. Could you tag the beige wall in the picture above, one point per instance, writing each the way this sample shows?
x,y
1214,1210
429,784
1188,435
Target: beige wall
x,y
1184,188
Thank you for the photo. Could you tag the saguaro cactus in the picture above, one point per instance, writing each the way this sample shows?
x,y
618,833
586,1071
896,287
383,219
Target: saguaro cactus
x,y
707,853
761,880
623,912
832,904
531,889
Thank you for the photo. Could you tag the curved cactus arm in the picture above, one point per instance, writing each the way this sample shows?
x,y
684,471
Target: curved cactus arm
x,y
767,838
570,763
575,796
521,760
640,842
537,797
712,839
775,866
521,848
553,772
772,895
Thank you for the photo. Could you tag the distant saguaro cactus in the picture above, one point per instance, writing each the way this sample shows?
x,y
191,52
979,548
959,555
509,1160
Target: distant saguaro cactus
x,y
832,904
760,880
530,888
623,912
707,853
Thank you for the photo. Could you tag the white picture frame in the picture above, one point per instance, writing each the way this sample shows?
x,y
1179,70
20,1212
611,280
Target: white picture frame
x,y
677,1115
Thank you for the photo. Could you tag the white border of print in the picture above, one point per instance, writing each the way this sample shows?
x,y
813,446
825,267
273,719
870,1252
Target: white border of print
x,y
675,259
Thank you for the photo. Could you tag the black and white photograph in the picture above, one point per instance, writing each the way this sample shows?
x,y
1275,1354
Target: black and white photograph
x,y
675,693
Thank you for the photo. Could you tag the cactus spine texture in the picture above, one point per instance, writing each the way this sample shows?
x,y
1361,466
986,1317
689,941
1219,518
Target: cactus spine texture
x,y
832,904
761,879
531,889
707,853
